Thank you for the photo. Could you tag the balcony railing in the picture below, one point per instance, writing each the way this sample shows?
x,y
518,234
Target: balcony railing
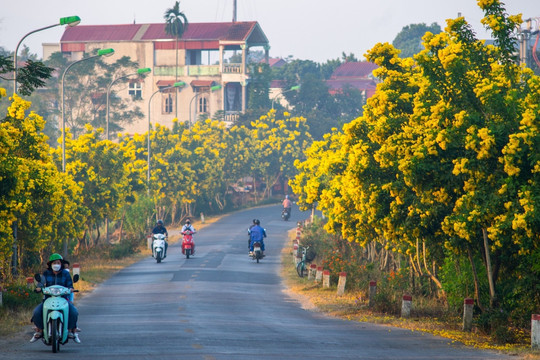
x,y
232,68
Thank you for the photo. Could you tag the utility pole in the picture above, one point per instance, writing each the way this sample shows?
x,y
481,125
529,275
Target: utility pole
x,y
234,12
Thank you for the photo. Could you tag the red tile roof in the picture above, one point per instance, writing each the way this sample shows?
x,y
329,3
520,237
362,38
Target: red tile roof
x,y
336,85
161,83
202,83
238,31
354,69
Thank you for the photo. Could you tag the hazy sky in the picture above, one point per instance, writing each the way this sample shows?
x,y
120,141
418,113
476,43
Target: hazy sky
x,y
306,29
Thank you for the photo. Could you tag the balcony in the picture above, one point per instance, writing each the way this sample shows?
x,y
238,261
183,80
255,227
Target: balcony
x,y
232,68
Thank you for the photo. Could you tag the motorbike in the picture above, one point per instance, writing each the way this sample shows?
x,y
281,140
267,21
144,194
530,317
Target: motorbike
x,y
286,214
257,253
158,247
188,246
55,314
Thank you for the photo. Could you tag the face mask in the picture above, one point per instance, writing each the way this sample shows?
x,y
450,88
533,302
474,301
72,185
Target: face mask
x,y
56,267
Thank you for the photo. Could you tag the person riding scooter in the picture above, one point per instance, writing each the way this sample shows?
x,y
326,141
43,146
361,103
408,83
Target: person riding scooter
x,y
257,234
160,229
56,275
287,204
185,229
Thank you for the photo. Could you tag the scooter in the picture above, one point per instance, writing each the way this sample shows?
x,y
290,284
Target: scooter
x,y
158,247
257,253
286,214
55,314
188,246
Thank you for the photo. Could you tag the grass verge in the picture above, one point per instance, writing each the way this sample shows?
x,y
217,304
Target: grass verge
x,y
353,306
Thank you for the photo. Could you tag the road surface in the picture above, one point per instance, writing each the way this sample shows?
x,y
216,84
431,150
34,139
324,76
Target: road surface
x,y
220,304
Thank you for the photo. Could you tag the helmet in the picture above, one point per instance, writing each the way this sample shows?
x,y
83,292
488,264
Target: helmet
x,y
286,196
54,257
257,222
160,222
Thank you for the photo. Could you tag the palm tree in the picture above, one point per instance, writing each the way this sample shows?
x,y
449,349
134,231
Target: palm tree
x,y
176,24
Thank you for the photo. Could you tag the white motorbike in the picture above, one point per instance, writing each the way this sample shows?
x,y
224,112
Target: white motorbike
x,y
158,247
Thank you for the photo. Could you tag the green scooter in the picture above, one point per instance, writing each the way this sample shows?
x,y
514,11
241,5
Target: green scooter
x,y
55,313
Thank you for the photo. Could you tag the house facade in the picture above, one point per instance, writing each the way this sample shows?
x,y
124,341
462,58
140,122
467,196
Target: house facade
x,y
357,75
209,54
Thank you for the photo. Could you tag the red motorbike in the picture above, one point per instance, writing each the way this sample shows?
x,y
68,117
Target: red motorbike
x,y
188,246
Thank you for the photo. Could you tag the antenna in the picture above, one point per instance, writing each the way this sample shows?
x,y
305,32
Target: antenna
x,y
234,12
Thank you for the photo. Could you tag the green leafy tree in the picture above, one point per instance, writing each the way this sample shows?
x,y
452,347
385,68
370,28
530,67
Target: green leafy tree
x,y
30,77
85,95
409,39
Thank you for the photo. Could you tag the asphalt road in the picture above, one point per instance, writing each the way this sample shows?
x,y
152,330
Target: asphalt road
x,y
220,304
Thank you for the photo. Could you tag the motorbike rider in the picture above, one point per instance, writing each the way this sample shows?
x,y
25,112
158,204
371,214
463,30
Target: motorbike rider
x,y
287,204
188,227
249,232
160,229
56,275
257,234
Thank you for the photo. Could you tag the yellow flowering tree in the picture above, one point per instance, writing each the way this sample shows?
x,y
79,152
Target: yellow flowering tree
x,y
36,200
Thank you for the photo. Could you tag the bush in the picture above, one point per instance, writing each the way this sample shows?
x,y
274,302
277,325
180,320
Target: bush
x,y
127,247
18,296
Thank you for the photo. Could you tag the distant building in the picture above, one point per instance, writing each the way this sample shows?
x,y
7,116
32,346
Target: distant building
x,y
357,75
208,54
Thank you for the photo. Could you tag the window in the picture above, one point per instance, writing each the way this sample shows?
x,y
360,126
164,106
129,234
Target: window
x,y
135,89
168,103
203,105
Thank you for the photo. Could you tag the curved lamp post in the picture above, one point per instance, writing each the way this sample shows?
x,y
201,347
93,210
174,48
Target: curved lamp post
x,y
175,85
103,52
70,21
212,89
293,88
139,72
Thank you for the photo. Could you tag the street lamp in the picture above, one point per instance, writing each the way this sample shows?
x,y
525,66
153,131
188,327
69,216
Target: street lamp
x,y
212,89
70,21
175,85
102,52
293,88
139,72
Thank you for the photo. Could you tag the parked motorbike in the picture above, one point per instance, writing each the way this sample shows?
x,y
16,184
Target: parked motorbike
x,y
257,253
55,314
158,247
286,214
188,246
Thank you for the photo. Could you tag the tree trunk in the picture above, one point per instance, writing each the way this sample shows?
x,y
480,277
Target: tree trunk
x,y
418,258
476,281
492,295
432,276
122,225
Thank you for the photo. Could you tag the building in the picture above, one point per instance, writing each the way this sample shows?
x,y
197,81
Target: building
x,y
357,75
209,54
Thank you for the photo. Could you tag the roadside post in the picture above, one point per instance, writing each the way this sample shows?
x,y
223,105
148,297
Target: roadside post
x,y
76,269
149,241
535,331
318,276
468,307
326,279
406,306
29,282
341,283
312,271
372,292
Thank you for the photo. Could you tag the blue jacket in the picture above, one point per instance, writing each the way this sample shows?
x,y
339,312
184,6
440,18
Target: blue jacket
x,y
63,278
257,233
